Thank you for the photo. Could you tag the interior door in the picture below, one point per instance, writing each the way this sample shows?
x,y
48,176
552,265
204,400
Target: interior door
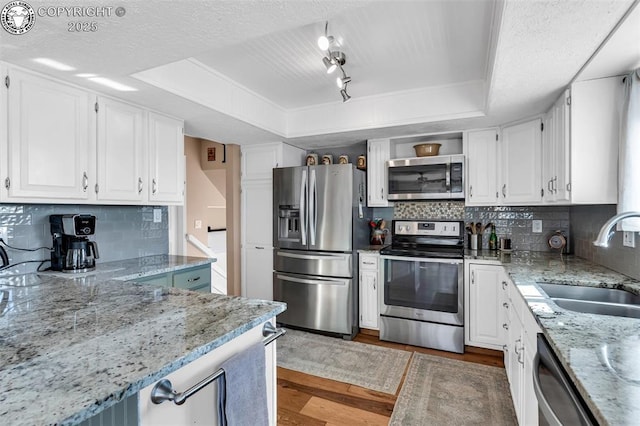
x,y
330,207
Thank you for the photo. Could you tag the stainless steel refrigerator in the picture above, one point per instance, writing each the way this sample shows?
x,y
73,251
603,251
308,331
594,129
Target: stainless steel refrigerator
x,y
320,220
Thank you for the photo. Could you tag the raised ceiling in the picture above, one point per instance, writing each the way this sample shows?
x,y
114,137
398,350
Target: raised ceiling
x,y
250,71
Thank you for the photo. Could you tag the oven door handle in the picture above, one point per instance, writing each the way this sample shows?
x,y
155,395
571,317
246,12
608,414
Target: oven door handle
x,y
421,259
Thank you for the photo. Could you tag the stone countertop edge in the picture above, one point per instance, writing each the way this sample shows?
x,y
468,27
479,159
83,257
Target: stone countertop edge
x,y
577,337
137,386
56,296
371,249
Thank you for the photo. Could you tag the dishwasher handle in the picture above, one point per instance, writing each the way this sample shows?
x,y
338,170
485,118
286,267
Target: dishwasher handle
x,y
543,404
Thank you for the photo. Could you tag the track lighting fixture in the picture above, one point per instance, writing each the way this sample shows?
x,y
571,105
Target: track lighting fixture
x,y
333,60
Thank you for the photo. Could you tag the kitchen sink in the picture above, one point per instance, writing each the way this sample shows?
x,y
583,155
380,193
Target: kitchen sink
x,y
600,308
594,300
593,294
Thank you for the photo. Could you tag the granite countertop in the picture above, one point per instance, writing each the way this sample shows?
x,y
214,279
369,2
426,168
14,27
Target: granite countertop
x,y
71,347
579,340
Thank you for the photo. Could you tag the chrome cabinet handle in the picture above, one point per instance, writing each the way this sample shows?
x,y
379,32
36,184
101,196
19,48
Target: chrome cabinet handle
x,y
85,181
505,348
473,277
505,326
139,185
154,186
504,190
470,190
550,185
506,305
504,285
191,280
374,283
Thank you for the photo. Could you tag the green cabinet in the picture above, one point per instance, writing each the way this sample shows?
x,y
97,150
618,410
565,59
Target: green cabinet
x,y
197,278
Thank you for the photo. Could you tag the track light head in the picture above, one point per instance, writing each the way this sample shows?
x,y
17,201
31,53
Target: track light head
x,y
324,42
342,81
345,95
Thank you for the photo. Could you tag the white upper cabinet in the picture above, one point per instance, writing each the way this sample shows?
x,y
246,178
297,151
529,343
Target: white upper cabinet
x,y
521,153
482,159
555,152
166,160
594,123
378,153
50,142
121,142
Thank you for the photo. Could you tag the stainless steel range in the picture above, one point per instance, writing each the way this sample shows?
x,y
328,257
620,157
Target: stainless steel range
x,y
422,301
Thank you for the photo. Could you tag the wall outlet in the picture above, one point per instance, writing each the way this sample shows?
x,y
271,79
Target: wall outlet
x,y
4,233
536,226
629,239
198,224
157,215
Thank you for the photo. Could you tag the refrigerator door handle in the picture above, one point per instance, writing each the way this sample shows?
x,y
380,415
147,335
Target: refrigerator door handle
x,y
313,256
303,207
314,282
313,213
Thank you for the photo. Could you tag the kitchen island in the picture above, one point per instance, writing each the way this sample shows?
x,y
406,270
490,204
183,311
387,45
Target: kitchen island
x,y
580,340
73,347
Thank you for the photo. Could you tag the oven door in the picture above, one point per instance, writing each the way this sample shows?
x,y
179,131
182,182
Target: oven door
x,y
423,289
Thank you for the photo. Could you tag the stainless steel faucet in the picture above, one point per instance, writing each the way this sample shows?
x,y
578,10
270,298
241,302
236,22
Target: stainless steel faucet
x,y
606,232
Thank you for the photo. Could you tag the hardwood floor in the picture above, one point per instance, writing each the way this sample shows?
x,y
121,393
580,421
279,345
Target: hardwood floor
x,y
310,400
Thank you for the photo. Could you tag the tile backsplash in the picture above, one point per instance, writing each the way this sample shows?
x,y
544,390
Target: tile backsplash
x,y
585,223
516,223
122,232
452,210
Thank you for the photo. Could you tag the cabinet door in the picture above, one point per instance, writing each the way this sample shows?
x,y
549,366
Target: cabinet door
x,y
379,152
369,281
561,145
549,166
257,272
515,373
521,155
166,156
485,312
257,213
481,148
595,126
258,161
121,140
51,138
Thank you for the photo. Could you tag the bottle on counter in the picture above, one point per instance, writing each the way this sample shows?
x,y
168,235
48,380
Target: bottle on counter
x,y
493,239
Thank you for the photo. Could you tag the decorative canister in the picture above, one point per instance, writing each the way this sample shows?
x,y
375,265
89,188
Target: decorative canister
x,y
327,159
362,162
312,159
343,159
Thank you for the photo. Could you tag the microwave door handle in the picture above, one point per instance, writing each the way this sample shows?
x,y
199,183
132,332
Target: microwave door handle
x,y
313,208
303,207
447,176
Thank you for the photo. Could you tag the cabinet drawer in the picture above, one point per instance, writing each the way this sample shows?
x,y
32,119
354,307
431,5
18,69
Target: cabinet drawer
x,y
163,280
369,262
197,279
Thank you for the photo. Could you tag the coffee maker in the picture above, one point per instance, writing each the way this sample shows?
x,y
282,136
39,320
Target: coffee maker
x,y
72,251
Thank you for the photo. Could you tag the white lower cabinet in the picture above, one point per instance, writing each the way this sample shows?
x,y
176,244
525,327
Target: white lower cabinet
x,y
368,290
201,407
521,349
484,322
257,272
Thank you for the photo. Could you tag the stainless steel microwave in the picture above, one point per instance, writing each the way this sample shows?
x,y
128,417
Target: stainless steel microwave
x,y
426,178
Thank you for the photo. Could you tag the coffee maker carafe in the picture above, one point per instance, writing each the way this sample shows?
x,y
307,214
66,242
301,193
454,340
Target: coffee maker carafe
x,y
72,250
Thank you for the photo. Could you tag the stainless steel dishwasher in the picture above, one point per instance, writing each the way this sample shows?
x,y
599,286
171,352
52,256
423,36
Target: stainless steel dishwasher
x,y
558,401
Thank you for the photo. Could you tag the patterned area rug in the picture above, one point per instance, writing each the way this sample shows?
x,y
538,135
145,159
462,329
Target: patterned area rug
x,y
442,391
372,367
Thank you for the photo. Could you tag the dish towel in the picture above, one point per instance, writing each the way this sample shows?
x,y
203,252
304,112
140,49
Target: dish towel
x,y
242,389
629,163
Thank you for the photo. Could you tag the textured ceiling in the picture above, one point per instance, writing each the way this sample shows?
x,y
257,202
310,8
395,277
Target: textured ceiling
x,y
526,57
389,46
